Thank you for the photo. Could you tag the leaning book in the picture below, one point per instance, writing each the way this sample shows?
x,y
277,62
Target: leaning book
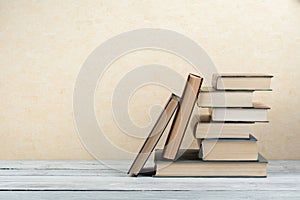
x,y
182,116
154,135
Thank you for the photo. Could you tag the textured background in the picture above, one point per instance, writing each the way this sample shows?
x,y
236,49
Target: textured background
x,y
44,44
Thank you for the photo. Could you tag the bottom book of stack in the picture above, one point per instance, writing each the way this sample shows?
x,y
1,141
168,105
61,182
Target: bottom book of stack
x,y
189,164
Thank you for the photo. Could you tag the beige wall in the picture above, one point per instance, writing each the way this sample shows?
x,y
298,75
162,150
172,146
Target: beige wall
x,y
44,44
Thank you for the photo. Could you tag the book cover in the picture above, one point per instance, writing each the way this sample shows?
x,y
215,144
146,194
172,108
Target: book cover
x,y
155,135
239,149
241,81
210,97
182,116
189,165
257,113
206,128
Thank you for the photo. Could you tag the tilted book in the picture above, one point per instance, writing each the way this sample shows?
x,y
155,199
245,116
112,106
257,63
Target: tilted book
x,y
182,116
155,135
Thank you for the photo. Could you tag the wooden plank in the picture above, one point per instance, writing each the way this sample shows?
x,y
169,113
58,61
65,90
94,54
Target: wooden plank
x,y
63,172
121,195
90,183
92,176
274,165
44,164
99,172
118,166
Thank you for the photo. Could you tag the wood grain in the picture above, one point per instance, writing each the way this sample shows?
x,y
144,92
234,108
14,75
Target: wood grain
x,y
93,180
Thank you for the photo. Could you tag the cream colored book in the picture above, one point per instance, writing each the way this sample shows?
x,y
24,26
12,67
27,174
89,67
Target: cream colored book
x,y
154,136
241,81
182,116
210,97
189,165
226,149
206,128
257,113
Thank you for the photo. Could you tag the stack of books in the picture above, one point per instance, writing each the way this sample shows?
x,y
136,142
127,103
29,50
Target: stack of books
x,y
227,147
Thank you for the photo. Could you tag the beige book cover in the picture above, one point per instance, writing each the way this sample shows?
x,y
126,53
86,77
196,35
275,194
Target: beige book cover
x,y
182,116
154,135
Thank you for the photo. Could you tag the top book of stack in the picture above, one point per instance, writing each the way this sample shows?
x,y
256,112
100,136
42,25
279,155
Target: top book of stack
x,y
235,81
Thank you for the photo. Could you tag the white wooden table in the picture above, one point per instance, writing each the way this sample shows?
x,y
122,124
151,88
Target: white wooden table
x,y
93,180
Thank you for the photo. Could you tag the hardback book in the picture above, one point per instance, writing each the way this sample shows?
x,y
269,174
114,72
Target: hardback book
x,y
189,165
239,149
155,135
241,81
206,128
257,113
210,97
182,116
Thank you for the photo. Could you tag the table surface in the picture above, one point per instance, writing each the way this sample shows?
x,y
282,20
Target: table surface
x,y
108,180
